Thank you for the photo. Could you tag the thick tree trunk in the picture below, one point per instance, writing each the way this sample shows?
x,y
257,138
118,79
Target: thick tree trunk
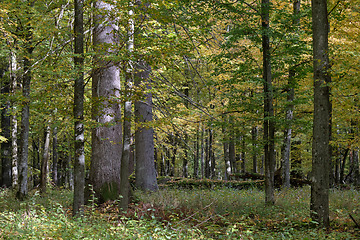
x,y
144,135
78,112
45,160
321,155
107,136
5,129
269,123
25,116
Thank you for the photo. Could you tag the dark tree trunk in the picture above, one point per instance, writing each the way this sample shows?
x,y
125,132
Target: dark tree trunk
x,y
342,166
202,153
207,156
5,129
106,138
197,154
254,132
356,167
321,154
145,172
211,154
269,123
79,157
243,155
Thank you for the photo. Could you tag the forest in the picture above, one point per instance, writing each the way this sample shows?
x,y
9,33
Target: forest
x,y
206,119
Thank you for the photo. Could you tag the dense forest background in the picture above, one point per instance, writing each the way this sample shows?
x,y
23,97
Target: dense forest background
x,y
94,93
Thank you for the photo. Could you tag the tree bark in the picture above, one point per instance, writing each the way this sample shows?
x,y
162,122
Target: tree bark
x,y
254,132
321,155
356,167
290,107
13,119
25,113
55,158
125,190
144,135
5,127
269,123
78,111
106,138
45,160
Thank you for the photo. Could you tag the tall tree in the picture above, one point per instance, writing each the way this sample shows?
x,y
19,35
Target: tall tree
x,y
321,155
79,158
269,122
107,136
126,152
5,126
290,107
14,145
145,171
27,36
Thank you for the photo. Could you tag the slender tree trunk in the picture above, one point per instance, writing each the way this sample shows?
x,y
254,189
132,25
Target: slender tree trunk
x,y
356,167
232,154
321,153
107,137
254,132
226,155
207,155
45,161
5,128
78,111
125,189
269,123
202,153
197,154
290,109
243,155
211,154
13,119
342,166
287,133
55,158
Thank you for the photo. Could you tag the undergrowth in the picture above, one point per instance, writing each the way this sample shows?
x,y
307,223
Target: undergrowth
x,y
179,214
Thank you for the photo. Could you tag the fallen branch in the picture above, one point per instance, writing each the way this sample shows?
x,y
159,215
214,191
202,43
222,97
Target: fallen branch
x,y
352,218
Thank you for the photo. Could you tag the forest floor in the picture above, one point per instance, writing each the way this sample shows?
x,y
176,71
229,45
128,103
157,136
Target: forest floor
x,y
180,214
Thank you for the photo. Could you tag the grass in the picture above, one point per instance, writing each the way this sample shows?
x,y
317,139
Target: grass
x,y
179,214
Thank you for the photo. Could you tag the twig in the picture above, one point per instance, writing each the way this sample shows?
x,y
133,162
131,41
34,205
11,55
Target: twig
x,y
357,225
